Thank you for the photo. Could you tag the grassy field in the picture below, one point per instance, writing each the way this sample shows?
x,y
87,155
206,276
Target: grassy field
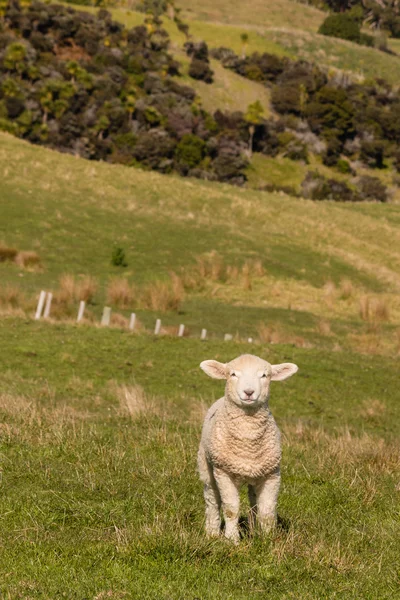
x,y
280,268
100,497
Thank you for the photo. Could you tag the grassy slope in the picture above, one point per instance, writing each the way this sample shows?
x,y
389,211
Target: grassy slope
x,y
106,504
73,211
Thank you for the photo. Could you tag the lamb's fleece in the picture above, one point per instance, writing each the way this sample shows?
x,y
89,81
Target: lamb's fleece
x,y
240,444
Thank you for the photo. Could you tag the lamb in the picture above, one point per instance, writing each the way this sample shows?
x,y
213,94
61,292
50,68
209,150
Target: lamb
x,y
240,444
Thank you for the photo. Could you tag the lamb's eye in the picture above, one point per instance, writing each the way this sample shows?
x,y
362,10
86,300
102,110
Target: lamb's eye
x,y
233,375
263,375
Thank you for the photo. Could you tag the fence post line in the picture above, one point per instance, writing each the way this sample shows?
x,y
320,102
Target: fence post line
x,y
157,327
181,330
40,305
203,335
132,322
81,311
105,319
47,307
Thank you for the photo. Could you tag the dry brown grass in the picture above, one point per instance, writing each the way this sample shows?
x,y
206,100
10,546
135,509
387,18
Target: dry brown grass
x,y
11,297
133,402
269,334
66,293
24,259
373,310
324,327
373,410
346,289
119,321
86,288
7,253
27,259
120,293
163,295
346,449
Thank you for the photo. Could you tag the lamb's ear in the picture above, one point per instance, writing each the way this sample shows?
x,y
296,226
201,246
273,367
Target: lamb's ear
x,y
283,371
214,369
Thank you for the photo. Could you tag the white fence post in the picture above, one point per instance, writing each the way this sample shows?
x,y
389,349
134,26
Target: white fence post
x,y
47,307
132,322
81,311
250,340
228,337
203,335
181,330
157,327
40,305
105,319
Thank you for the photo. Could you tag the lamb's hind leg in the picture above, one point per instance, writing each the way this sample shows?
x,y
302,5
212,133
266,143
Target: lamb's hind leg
x,y
211,496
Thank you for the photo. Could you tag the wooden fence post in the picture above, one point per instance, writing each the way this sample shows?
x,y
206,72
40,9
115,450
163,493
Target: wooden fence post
x,y
132,322
181,330
105,319
81,311
47,307
157,327
40,305
203,335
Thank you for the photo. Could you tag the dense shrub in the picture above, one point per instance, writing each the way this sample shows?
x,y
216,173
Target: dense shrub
x,y
83,84
346,27
317,187
190,151
371,188
200,65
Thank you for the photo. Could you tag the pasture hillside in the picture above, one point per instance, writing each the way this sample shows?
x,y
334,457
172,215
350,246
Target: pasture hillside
x,y
242,262
100,497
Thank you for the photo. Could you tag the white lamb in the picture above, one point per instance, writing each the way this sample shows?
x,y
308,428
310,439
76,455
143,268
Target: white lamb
x,y
240,444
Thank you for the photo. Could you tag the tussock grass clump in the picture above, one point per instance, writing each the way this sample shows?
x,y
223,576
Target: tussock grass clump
x,y
324,327
163,295
373,310
71,290
346,289
120,292
7,254
133,401
211,268
119,321
11,297
86,288
25,259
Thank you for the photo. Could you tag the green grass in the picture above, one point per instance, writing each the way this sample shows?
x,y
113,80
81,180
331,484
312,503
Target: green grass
x,y
257,13
72,212
339,54
96,503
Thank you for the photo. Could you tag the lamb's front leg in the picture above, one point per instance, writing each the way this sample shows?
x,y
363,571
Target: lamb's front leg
x,y
267,496
229,492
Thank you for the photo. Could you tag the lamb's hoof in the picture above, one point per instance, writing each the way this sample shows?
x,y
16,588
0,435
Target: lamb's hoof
x,y
233,538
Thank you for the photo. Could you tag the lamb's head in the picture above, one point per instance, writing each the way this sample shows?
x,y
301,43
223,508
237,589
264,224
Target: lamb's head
x,y
248,378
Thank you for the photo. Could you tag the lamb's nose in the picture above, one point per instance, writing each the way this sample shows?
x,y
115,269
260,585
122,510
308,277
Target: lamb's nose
x,y
249,392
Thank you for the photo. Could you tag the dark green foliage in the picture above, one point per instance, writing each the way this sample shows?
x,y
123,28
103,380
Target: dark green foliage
x,y
83,84
190,151
343,166
200,65
342,26
317,187
371,188
118,258
372,153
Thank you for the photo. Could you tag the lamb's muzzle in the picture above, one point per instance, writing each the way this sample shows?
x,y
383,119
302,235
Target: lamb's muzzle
x,y
240,444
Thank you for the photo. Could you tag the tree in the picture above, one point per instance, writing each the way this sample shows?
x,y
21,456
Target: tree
x,y
245,40
254,116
